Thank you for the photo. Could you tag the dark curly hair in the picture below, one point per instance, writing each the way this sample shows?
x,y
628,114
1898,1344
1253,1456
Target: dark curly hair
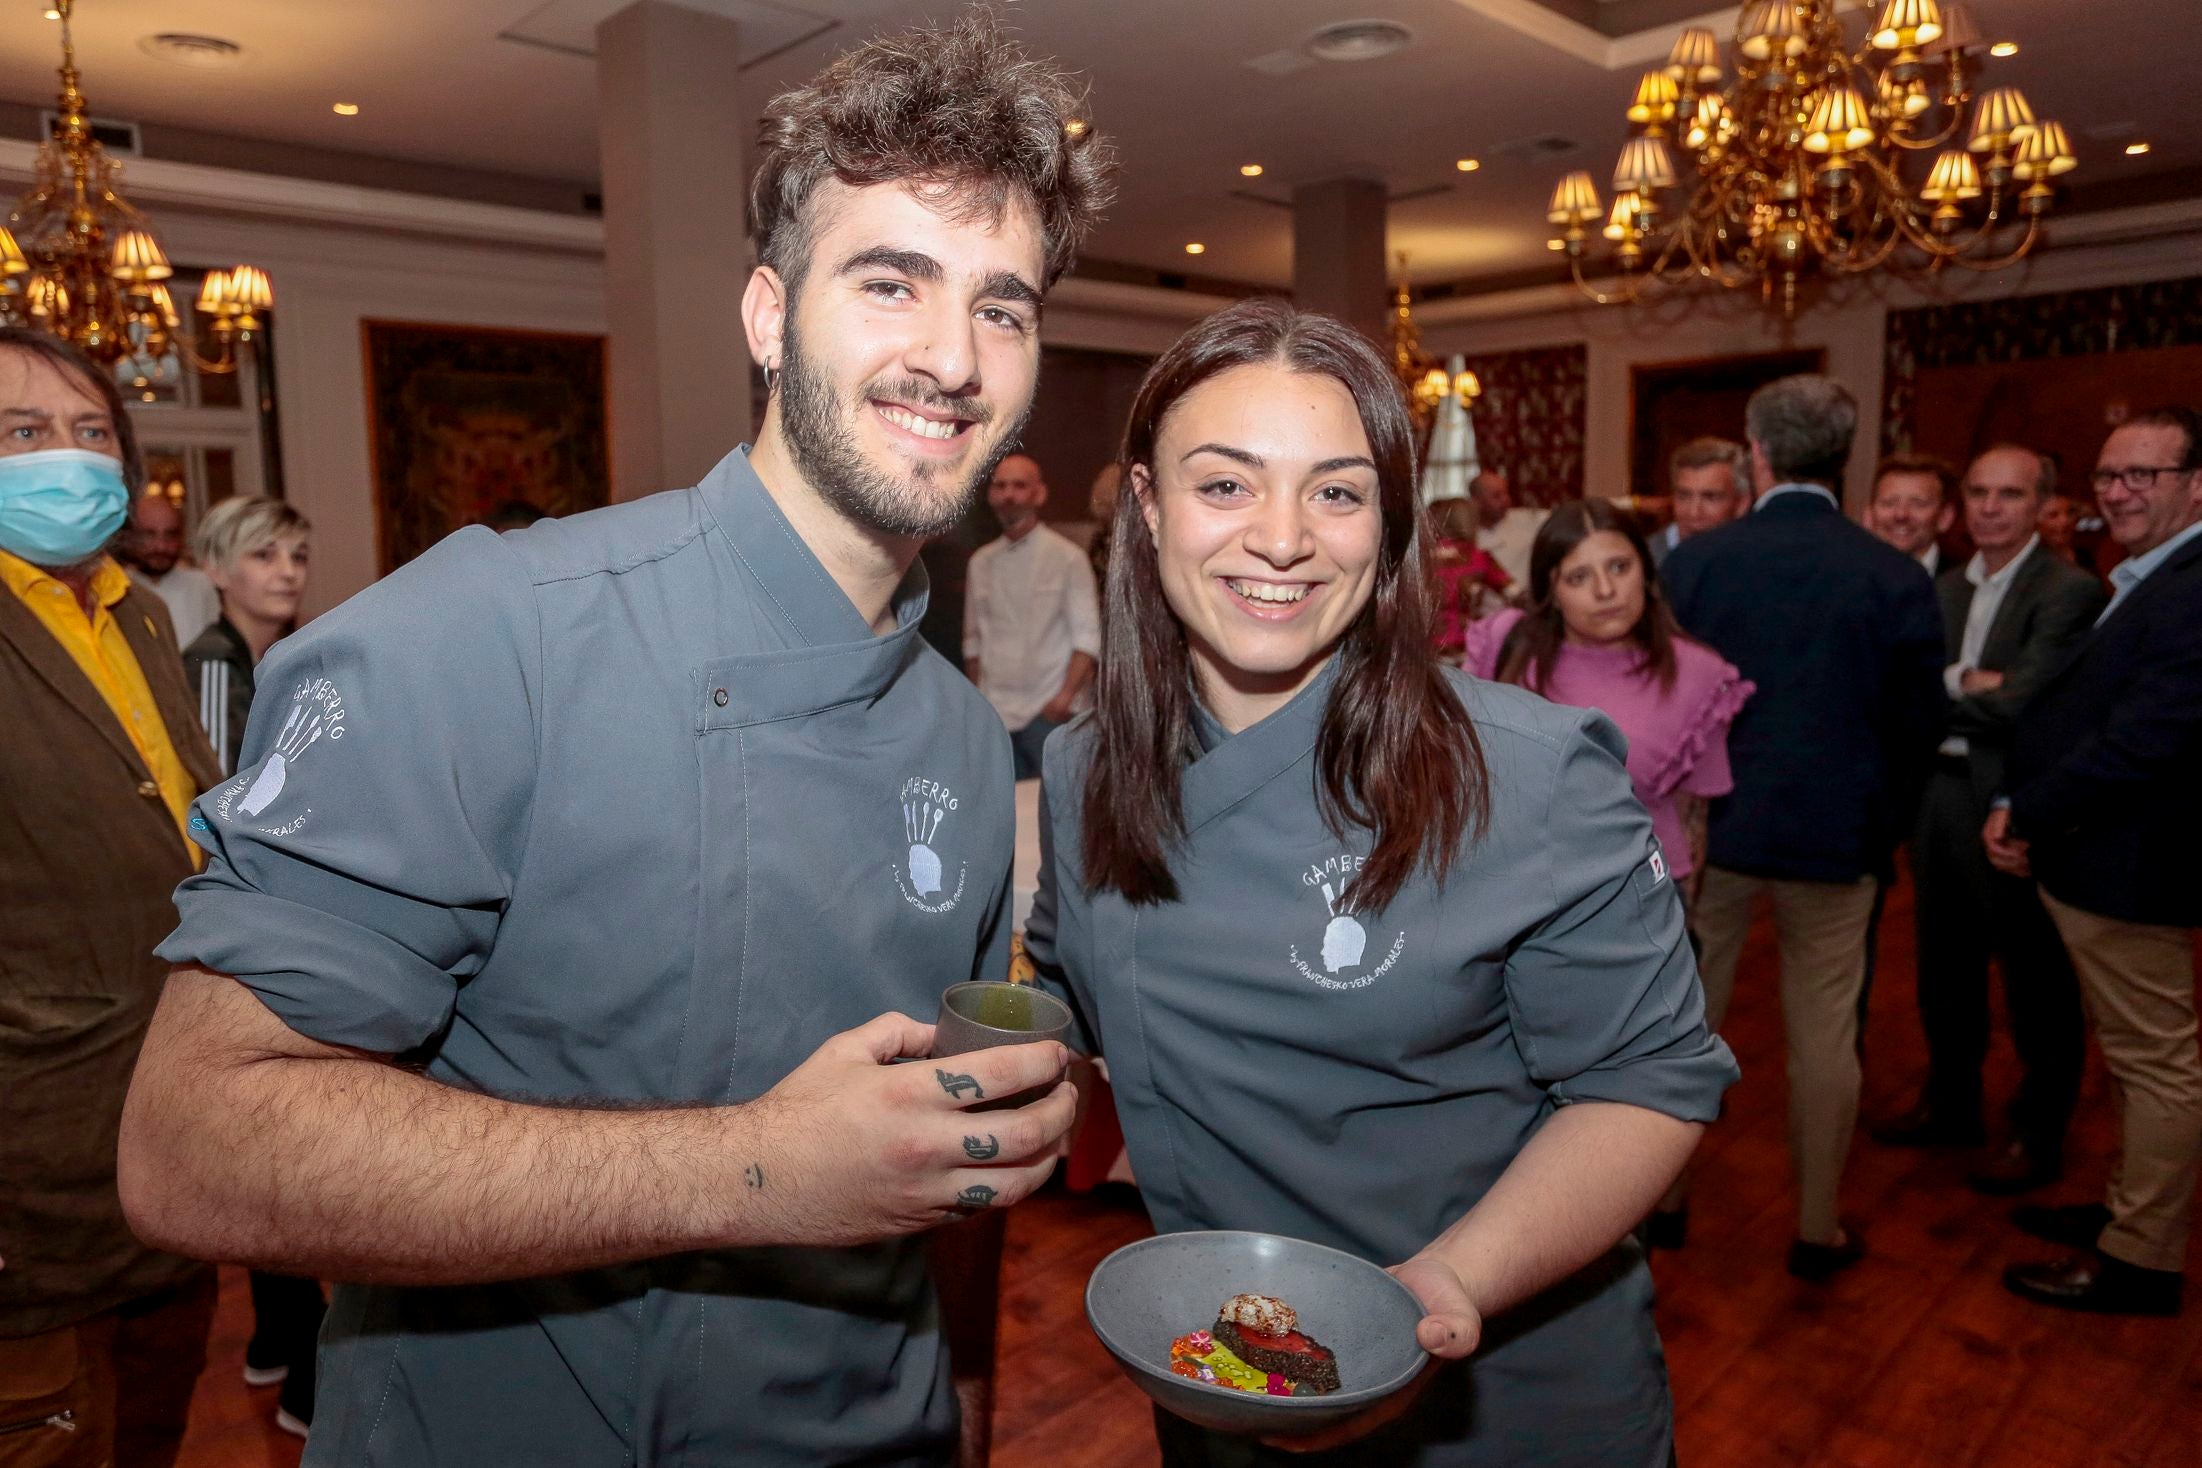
x,y
958,111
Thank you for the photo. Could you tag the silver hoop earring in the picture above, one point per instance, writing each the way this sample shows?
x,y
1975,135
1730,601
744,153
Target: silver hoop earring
x,y
768,381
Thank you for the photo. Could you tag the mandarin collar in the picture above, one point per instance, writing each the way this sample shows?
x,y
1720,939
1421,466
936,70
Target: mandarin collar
x,y
806,598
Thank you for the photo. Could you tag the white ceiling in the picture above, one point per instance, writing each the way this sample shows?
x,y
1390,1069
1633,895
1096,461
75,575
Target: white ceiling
x,y
436,83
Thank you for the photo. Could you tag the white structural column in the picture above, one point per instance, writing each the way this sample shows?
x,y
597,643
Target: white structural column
x,y
672,138
1338,262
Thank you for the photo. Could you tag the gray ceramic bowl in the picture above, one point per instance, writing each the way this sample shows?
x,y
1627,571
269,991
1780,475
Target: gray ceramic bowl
x,y
1147,1294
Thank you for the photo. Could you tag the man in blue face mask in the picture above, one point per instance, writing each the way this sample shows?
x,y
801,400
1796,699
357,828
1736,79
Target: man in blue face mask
x,y
101,1338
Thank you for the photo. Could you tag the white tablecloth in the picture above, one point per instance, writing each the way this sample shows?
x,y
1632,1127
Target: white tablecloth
x,y
1024,870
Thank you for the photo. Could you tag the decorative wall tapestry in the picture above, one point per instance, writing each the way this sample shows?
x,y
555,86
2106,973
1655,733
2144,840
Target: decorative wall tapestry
x,y
464,419
2153,316
1530,421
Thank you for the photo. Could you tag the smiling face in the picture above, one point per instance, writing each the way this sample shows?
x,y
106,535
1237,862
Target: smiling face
x,y
908,355
265,583
1262,501
1706,496
2002,499
2143,519
1907,511
1599,590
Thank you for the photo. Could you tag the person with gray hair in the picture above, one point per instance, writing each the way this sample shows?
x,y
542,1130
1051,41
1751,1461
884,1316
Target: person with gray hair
x,y
1709,484
1843,637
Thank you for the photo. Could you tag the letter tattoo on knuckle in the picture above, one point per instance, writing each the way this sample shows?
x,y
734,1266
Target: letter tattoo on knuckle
x,y
978,1195
982,1151
754,1175
956,1085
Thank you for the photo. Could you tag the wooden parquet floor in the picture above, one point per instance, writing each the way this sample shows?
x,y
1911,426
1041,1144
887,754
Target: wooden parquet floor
x,y
1917,1358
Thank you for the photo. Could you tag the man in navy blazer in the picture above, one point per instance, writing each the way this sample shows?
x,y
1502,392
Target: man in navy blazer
x,y
2105,800
1843,637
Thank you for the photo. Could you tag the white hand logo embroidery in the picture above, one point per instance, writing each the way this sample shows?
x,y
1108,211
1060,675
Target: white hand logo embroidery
x,y
300,730
920,819
1345,938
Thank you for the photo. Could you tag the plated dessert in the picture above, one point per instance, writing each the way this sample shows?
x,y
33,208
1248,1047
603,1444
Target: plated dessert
x,y
1256,1345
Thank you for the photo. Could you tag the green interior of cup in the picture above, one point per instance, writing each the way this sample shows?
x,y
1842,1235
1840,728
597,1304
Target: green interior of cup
x,y
1001,1007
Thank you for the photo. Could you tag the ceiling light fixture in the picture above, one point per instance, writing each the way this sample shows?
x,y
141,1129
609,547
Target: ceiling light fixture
x,y
1424,378
1359,40
1250,170
1797,164
1469,165
2004,49
1196,248
346,109
1076,127
79,262
2135,150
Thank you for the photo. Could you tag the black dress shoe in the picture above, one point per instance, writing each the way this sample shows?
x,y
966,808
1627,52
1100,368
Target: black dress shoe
x,y
2074,1225
1667,1228
1924,1126
2096,1283
1817,1263
2016,1169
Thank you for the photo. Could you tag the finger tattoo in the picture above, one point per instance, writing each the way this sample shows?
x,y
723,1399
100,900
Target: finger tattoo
x,y
978,1195
956,1085
754,1174
979,1151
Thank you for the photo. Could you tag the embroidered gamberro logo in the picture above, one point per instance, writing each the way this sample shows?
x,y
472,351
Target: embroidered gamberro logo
x,y
921,876
1345,941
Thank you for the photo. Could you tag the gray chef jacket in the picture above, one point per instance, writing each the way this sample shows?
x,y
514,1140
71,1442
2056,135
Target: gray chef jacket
x,y
627,808
1361,1079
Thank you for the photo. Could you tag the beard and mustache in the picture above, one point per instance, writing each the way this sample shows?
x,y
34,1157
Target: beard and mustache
x,y
923,500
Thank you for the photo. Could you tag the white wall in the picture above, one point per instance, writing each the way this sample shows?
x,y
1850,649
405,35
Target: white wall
x,y
2157,243
328,279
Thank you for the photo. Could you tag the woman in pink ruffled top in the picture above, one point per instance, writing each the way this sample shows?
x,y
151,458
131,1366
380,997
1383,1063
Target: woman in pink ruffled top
x,y
1598,634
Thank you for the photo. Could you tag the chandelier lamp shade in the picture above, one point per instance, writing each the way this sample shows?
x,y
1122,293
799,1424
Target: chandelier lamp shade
x,y
78,261
1422,378
1817,148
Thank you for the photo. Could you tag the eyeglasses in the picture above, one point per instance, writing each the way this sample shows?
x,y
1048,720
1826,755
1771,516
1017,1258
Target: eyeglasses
x,y
2140,477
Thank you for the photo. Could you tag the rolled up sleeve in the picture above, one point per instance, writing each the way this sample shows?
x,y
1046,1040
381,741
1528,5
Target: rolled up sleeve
x,y
361,858
1604,993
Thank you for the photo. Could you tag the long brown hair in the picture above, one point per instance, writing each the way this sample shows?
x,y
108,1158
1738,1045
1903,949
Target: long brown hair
x,y
1397,754
1533,646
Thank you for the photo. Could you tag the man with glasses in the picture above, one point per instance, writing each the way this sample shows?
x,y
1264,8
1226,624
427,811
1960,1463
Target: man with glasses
x,y
2105,782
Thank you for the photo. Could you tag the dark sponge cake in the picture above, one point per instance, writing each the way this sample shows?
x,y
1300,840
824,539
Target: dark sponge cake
x,y
1292,1355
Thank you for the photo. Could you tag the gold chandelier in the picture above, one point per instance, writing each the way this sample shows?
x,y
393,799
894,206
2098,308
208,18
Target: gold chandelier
x,y
1798,162
1423,378
79,262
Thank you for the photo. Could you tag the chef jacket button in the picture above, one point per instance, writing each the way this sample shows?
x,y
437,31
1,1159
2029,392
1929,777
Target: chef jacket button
x,y
718,696
148,789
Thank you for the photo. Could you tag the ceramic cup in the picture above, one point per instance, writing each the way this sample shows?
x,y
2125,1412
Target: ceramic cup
x,y
983,1014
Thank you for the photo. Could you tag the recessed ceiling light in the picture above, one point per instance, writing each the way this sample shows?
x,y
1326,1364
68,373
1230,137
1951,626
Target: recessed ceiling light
x,y
1555,244
1076,127
2135,150
1359,40
1196,248
1250,170
1469,165
346,109
2004,48
53,15
185,49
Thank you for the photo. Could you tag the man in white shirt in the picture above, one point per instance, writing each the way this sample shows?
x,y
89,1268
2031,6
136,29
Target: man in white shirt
x,y
1504,532
1031,618
2013,615
150,547
1912,508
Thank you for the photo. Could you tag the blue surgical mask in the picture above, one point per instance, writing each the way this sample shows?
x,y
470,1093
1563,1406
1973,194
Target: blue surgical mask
x,y
59,506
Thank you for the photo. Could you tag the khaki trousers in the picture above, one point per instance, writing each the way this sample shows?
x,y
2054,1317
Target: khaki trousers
x,y
1820,928
2138,982
109,1392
